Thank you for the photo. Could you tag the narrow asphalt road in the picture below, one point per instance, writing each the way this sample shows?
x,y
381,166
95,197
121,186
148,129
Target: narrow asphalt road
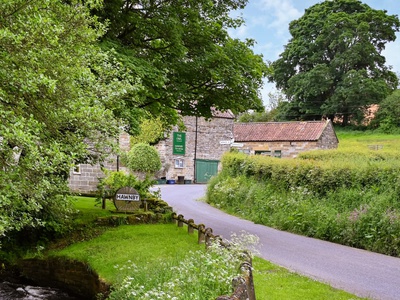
x,y
360,272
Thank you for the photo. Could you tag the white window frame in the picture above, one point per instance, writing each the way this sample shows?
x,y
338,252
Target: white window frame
x,y
179,163
76,170
263,152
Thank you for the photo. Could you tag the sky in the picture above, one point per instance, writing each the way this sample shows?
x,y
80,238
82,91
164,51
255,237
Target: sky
x,y
267,22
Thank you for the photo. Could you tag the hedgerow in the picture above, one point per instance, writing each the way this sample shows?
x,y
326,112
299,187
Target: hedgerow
x,y
317,175
352,200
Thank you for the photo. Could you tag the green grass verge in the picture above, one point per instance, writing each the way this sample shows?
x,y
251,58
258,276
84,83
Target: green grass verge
x,y
111,254
275,283
88,210
142,244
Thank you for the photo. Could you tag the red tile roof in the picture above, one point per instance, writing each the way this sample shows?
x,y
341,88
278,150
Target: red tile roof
x,y
278,131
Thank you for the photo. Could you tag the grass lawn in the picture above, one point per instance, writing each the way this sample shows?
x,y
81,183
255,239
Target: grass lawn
x,y
118,247
111,254
89,210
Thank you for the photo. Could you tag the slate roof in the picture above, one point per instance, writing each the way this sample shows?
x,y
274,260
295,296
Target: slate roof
x,y
279,131
222,114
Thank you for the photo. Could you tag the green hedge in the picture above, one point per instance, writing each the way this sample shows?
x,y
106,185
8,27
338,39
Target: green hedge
x,y
318,176
354,202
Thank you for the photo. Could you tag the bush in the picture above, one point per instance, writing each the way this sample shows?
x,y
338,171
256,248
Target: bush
x,y
317,175
113,181
351,201
143,158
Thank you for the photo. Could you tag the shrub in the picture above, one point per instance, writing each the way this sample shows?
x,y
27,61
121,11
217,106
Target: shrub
x,y
114,180
317,175
349,200
143,158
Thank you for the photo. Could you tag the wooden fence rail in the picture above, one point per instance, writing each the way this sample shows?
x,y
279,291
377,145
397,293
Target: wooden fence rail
x,y
243,285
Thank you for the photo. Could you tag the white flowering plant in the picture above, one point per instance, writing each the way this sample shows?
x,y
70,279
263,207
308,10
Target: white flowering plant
x,y
200,275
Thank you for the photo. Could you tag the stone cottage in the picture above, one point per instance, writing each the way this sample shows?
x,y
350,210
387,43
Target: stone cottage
x,y
193,155
189,156
284,139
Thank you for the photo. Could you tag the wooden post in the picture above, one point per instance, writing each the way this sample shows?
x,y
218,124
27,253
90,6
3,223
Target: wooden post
x,y
180,221
103,203
190,226
240,289
248,266
174,217
201,234
251,290
209,237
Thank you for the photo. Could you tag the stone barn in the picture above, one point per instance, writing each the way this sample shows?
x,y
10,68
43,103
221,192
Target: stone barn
x,y
284,139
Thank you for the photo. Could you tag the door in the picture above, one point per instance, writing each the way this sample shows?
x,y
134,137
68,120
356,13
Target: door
x,y
205,169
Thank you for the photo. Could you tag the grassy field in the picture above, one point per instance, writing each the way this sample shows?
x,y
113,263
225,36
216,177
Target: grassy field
x,y
117,250
355,139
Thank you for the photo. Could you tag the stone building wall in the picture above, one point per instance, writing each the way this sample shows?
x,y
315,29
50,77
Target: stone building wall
x,y
287,149
213,139
328,139
84,178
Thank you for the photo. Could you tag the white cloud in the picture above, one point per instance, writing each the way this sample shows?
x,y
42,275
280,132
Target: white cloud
x,y
281,12
241,33
266,47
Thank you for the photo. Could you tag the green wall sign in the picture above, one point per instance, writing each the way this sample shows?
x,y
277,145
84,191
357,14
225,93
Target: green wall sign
x,y
179,139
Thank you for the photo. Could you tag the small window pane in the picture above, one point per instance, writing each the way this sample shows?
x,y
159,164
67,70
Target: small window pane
x,y
263,152
77,169
179,163
278,153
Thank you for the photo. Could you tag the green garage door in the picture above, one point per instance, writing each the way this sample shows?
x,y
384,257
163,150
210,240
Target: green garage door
x,y
205,169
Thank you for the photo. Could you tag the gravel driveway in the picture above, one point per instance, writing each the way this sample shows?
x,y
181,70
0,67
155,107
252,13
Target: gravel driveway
x,y
360,272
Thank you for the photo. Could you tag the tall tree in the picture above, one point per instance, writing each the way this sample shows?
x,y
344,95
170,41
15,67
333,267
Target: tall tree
x,y
55,86
333,64
181,53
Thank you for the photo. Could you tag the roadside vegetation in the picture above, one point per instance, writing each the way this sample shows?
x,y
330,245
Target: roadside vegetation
x,y
348,196
162,261
65,98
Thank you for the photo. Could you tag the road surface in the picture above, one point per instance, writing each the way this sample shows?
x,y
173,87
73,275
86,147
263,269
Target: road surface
x,y
359,272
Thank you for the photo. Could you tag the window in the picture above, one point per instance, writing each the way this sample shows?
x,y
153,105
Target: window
x,y
77,169
245,151
278,153
263,152
179,163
